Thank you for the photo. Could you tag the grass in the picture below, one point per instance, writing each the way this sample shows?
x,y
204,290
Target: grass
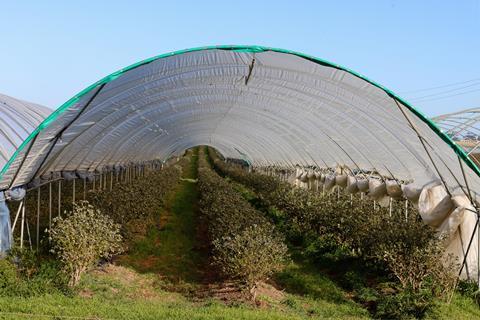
x,y
170,247
57,306
331,277
156,279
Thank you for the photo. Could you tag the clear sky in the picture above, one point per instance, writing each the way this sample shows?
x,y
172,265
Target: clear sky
x,y
50,50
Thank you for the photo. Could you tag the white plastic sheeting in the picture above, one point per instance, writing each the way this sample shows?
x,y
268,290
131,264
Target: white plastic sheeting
x,y
276,108
17,120
270,107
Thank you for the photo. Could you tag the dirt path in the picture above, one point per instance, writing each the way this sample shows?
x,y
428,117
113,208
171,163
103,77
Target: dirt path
x,y
173,248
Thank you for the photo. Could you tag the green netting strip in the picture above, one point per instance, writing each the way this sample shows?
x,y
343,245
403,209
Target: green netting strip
x,y
237,48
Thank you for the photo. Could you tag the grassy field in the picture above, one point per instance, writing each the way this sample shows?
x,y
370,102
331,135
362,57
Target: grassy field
x,y
167,275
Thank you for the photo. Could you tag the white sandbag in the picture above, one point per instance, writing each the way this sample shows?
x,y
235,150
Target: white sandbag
x,y
319,180
69,175
376,188
297,182
329,182
304,177
341,180
394,189
434,204
362,184
384,201
459,244
352,185
311,179
310,175
411,192
450,225
298,174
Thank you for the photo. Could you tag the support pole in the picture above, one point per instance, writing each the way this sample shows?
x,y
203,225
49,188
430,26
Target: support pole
x,y
406,210
19,210
73,193
38,218
28,233
59,198
111,180
390,206
22,226
424,146
85,188
468,248
49,207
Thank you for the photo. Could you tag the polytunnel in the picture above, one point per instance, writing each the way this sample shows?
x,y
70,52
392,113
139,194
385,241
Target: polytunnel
x,y
463,127
18,119
272,107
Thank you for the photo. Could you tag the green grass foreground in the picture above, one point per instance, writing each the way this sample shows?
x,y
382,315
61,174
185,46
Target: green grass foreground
x,y
164,274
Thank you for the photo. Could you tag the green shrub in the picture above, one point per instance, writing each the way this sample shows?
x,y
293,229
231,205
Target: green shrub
x,y
406,304
82,238
245,244
470,289
8,276
329,225
139,199
252,255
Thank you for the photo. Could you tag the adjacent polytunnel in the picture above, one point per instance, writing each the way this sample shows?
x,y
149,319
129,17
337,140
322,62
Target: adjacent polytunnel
x,y
272,108
17,120
464,128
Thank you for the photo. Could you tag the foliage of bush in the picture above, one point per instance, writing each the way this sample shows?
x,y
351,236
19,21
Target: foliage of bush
x,y
82,238
406,249
406,304
470,289
246,246
139,199
254,253
23,274
8,276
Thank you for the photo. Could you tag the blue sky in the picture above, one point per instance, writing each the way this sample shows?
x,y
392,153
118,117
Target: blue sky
x,y
50,50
